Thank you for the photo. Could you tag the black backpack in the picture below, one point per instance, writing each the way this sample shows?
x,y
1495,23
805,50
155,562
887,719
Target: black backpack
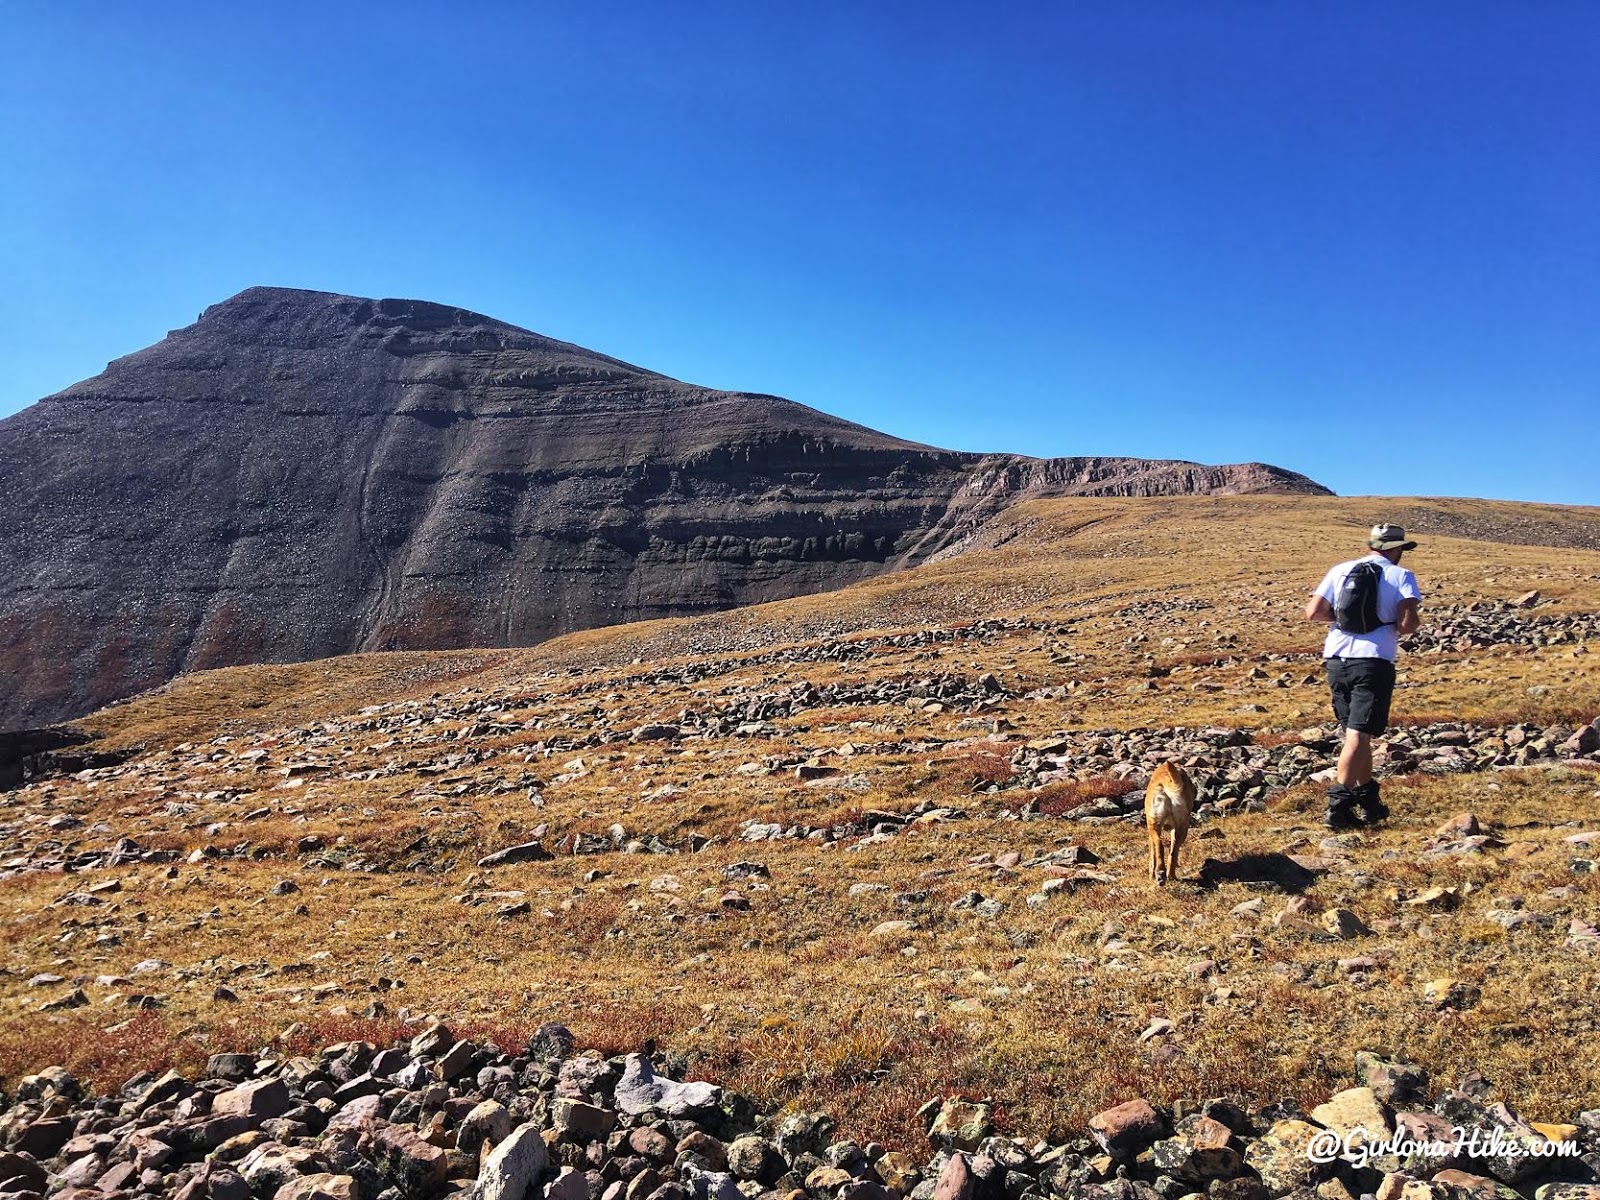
x,y
1355,610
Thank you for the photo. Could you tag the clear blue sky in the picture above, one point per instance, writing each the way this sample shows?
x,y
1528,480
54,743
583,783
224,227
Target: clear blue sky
x,y
1359,240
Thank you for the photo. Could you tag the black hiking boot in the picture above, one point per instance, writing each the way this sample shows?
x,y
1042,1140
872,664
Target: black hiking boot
x,y
1341,809
1372,807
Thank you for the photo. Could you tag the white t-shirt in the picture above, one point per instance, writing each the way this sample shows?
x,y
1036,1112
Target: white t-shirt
x,y
1397,584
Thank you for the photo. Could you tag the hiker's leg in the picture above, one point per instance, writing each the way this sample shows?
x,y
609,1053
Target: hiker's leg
x,y
1371,693
1341,796
1355,759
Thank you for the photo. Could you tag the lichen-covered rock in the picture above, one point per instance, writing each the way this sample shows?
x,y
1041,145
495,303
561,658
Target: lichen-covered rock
x,y
1282,1156
1391,1081
415,1166
1464,1185
1498,1140
961,1124
1355,1113
1568,1191
1200,1151
757,1159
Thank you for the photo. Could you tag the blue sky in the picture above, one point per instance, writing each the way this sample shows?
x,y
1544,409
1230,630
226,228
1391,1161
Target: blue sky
x,y
1360,240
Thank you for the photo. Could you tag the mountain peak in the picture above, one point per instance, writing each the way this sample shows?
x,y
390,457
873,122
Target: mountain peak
x,y
301,474
265,315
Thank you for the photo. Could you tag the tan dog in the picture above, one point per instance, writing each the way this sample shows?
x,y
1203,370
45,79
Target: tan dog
x,y
1168,803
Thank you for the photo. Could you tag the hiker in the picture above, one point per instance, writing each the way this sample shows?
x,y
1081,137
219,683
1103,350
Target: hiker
x,y
1370,602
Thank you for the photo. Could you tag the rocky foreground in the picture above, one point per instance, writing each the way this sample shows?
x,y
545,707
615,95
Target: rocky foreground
x,y
439,1116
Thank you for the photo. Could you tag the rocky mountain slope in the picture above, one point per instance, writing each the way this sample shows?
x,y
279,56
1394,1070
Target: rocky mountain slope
x,y
300,474
850,851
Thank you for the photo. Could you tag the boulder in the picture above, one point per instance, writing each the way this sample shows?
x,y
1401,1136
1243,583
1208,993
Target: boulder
x,y
898,1171
415,1166
268,1167
22,1172
866,1189
1247,1188
457,1061
1283,1157
1585,741
569,1184
803,1133
122,1177
640,1089
261,1098
1344,924
1498,1141
1391,1081
514,1166
961,1124
756,1159
710,1185
1464,1185
704,1150
1201,1151
482,1128
1356,1114
321,1186
511,855
650,1144
50,1083
432,1041
580,1122
83,1171
1126,1129
236,1068
42,1138
1399,1186
955,1182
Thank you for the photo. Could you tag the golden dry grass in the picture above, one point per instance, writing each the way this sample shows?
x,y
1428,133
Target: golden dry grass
x,y
796,1000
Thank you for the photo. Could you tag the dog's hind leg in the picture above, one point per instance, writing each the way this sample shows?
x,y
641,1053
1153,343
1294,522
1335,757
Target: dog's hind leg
x,y
1178,835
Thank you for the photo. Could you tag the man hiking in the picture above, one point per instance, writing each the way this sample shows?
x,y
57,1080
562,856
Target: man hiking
x,y
1370,602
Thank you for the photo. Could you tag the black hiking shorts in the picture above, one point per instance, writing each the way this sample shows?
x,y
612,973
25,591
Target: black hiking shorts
x,y
1362,689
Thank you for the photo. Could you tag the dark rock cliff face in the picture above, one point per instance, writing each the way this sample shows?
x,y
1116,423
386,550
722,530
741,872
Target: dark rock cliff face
x,y
301,474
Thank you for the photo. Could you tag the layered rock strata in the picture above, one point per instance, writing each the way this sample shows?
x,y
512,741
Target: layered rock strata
x,y
300,474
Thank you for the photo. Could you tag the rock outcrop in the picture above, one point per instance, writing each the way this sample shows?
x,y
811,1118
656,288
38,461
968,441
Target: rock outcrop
x,y
300,474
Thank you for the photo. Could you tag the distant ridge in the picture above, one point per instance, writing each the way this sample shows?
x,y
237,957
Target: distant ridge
x,y
301,474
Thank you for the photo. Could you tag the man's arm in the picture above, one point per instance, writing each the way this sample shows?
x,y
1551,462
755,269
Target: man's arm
x,y
1320,606
1408,617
